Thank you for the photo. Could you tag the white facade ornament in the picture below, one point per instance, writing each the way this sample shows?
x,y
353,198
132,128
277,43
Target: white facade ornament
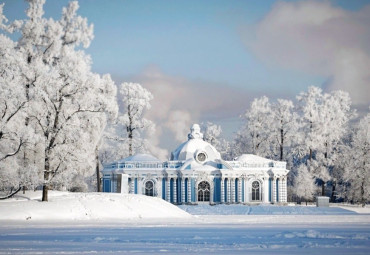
x,y
195,132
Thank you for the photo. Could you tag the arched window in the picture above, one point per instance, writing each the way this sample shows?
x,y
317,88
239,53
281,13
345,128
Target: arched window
x,y
256,191
203,191
149,188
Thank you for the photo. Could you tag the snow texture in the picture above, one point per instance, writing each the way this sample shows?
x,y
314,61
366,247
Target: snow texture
x,y
264,210
140,157
67,206
125,224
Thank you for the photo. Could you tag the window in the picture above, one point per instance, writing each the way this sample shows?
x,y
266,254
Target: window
x,y
201,157
203,191
149,188
256,191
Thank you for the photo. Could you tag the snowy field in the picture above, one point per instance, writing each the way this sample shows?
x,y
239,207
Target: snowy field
x,y
236,229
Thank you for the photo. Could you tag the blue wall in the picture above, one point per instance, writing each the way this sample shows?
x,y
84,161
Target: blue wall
x,y
163,188
236,190
217,190
225,190
270,190
135,185
186,190
171,190
106,185
277,191
178,190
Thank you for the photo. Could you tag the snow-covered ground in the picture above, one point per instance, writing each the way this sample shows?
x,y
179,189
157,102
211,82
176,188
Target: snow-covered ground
x,y
239,209
68,206
264,230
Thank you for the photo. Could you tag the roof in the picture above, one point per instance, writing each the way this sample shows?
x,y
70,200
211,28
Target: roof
x,y
250,158
140,157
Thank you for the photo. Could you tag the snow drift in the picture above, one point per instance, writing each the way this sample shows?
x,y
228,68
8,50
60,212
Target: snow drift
x,y
87,206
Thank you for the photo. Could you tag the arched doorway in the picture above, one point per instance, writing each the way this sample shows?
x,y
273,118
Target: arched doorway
x,y
149,188
204,191
256,191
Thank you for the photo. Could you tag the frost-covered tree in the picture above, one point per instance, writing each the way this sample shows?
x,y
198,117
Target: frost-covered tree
x,y
304,183
211,133
126,136
255,135
284,126
14,135
63,92
324,121
12,101
357,164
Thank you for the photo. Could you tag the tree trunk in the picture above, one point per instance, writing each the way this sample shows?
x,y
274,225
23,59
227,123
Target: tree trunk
x,y
45,190
323,188
281,144
363,192
98,188
333,196
45,187
130,143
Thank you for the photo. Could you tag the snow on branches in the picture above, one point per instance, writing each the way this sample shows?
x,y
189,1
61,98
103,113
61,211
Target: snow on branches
x,y
64,97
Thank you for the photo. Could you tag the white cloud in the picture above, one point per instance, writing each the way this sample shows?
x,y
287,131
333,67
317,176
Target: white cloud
x,y
317,38
178,103
179,123
154,145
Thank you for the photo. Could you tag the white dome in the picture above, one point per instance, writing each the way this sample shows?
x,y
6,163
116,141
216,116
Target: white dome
x,y
194,146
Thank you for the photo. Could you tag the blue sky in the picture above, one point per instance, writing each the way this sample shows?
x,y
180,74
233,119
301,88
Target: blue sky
x,y
223,50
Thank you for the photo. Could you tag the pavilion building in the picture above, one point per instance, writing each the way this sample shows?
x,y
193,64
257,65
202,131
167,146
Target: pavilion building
x,y
196,173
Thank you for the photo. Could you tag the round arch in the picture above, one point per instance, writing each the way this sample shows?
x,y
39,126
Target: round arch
x,y
256,191
204,191
149,188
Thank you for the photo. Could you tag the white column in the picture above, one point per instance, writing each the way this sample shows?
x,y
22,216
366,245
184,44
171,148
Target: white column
x,y
158,186
273,187
232,186
182,190
222,190
239,190
265,190
174,190
189,190
285,191
168,191
211,190
282,190
124,183
132,186
245,190
279,190
228,191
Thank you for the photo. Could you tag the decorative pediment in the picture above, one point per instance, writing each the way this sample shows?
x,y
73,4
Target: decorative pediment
x,y
203,176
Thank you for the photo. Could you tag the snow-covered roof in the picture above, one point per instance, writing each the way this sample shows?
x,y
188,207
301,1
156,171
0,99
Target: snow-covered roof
x,y
250,158
140,157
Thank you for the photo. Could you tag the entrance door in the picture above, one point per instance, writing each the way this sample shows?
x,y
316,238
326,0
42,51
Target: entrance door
x,y
203,192
149,188
256,191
